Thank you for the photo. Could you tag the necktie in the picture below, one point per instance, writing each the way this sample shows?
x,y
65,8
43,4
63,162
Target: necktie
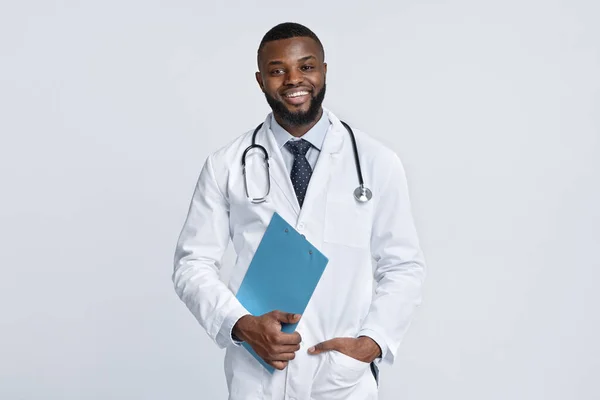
x,y
301,170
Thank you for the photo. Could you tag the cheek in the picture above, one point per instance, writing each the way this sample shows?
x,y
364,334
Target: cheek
x,y
318,82
271,86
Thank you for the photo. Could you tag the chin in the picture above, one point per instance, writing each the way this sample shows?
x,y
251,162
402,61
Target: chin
x,y
302,108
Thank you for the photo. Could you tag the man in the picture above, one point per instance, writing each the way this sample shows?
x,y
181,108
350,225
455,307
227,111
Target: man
x,y
346,330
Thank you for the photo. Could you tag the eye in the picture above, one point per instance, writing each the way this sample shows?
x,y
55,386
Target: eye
x,y
277,71
307,67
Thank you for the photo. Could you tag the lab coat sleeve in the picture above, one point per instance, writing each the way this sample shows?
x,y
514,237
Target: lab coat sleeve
x,y
200,248
400,268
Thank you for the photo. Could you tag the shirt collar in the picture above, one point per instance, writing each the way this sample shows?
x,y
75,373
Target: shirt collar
x,y
316,134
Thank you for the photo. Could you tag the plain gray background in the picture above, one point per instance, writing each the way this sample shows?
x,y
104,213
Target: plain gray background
x,y
109,109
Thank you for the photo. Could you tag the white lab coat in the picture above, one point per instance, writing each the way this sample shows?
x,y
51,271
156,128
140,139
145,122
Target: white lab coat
x,y
350,234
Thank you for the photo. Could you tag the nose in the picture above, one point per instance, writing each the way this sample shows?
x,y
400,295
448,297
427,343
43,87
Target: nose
x,y
293,77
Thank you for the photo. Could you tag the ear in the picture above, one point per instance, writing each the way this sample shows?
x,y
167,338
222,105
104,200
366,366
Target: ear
x,y
259,80
325,68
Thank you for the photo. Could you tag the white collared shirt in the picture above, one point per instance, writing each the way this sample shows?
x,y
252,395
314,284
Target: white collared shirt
x,y
316,137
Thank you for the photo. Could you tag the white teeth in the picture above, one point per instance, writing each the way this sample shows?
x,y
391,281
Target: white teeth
x,y
296,94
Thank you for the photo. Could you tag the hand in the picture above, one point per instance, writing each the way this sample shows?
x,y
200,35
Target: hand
x,y
264,335
362,348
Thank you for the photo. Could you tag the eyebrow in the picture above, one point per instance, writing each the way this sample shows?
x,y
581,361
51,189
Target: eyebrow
x,y
277,62
307,58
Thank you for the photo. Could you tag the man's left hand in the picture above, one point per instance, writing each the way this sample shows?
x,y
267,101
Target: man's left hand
x,y
362,348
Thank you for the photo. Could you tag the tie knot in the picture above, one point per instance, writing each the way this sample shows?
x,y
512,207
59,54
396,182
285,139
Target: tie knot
x,y
298,147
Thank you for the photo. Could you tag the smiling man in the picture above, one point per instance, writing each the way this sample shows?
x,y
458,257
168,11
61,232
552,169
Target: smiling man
x,y
347,330
295,98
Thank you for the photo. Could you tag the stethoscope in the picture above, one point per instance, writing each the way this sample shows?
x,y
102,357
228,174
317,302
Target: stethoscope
x,y
362,194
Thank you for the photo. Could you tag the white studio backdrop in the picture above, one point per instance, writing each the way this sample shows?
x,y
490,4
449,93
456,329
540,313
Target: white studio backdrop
x,y
109,109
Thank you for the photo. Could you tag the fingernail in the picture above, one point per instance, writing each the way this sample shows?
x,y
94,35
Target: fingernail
x,y
311,350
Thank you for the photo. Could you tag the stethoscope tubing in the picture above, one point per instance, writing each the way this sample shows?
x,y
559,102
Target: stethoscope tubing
x,y
361,192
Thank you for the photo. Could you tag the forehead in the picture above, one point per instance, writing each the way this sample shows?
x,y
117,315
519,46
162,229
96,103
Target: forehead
x,y
289,50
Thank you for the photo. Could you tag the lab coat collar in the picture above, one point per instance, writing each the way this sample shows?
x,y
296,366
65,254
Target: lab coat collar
x,y
335,135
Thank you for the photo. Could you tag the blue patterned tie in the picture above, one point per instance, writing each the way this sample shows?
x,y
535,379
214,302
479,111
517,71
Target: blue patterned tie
x,y
301,170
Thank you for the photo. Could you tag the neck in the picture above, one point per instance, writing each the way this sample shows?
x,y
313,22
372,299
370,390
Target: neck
x,y
298,130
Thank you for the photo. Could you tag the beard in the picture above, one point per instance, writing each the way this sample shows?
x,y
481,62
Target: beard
x,y
301,117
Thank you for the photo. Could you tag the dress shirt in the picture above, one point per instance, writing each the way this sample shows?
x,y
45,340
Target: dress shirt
x,y
316,137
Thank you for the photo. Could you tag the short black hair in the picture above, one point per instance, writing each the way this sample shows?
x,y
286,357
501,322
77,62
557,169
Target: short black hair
x,y
288,30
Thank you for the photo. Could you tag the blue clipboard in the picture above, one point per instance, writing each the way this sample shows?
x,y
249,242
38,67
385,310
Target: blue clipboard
x,y
282,275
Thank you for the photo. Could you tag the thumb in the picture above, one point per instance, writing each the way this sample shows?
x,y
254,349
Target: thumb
x,y
286,318
331,344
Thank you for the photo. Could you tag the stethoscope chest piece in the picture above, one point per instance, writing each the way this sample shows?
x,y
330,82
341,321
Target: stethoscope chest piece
x,y
362,194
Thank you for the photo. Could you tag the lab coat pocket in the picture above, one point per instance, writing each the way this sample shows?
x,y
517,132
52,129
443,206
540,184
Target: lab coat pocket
x,y
345,369
348,222
342,378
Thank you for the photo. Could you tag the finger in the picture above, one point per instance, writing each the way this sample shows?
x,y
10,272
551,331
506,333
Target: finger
x,y
285,317
289,338
287,348
331,344
278,364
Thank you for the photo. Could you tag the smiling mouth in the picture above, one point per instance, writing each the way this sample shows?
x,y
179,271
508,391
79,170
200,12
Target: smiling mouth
x,y
297,94
297,97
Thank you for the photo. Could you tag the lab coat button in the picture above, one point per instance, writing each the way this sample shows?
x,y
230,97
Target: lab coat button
x,y
301,226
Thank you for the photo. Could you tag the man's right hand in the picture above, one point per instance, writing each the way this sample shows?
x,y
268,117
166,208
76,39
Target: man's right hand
x,y
264,335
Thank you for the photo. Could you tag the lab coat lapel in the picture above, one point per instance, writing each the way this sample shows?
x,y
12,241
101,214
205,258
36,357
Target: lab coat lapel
x,y
279,174
325,166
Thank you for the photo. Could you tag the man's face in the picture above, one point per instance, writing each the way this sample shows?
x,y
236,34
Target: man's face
x,y
292,76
